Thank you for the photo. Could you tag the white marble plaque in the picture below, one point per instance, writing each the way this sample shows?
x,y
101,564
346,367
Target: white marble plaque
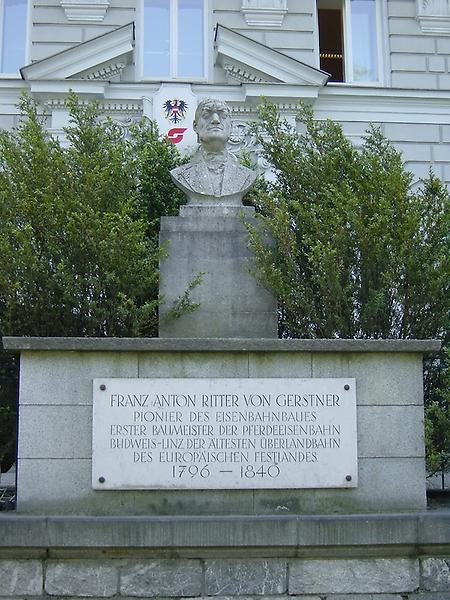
x,y
224,433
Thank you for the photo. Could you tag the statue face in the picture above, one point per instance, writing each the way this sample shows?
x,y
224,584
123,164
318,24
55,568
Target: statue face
x,y
213,124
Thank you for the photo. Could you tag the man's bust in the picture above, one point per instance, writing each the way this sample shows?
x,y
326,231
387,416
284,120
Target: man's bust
x,y
213,176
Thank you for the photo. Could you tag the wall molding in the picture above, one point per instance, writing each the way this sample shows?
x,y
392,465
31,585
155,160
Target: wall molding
x,y
434,16
92,11
106,72
264,14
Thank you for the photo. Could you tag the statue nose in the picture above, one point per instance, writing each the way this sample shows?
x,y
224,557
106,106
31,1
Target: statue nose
x,y
215,118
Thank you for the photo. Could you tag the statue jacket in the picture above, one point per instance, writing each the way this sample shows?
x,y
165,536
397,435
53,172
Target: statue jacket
x,y
196,177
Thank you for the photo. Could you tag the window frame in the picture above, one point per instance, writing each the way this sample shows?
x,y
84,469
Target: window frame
x,y
173,76
348,45
382,49
16,74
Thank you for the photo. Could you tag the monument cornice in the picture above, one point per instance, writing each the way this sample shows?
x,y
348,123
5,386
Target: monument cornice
x,y
309,536
111,344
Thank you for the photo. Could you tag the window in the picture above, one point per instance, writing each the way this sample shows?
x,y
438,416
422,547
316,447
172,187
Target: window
x,y
349,42
331,42
174,39
13,25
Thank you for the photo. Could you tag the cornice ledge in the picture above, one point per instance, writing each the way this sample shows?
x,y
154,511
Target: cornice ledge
x,y
434,16
106,344
91,11
437,24
106,72
237,74
47,90
285,92
264,14
240,73
361,90
196,536
134,108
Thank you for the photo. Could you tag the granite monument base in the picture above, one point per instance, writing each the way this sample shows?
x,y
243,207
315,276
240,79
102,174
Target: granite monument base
x,y
55,426
376,541
370,557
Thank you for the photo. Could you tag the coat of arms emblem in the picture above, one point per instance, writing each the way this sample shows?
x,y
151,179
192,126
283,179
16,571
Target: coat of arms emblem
x,y
175,110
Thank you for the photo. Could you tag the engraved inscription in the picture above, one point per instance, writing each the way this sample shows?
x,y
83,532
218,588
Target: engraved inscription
x,y
224,433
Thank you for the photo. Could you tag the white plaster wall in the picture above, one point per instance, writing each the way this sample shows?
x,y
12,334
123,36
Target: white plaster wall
x,y
418,60
51,32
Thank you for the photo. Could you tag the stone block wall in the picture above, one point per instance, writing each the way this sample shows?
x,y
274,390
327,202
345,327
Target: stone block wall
x,y
419,60
350,557
426,578
423,142
262,544
51,32
55,422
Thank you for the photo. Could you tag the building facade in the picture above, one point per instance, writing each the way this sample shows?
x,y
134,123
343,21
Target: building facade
x,y
356,61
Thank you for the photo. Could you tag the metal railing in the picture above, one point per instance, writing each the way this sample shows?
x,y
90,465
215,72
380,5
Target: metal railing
x,y
7,498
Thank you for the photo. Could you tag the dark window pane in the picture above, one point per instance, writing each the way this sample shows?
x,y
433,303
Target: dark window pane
x,y
331,43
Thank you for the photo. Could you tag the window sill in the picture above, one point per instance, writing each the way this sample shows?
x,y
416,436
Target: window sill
x,y
172,80
359,84
10,76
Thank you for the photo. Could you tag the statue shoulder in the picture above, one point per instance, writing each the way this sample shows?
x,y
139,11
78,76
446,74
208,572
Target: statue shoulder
x,y
249,173
187,167
242,171
188,176
237,178
179,170
182,172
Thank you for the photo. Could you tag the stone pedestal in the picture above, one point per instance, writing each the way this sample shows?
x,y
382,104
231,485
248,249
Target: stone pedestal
x,y
70,540
212,242
55,433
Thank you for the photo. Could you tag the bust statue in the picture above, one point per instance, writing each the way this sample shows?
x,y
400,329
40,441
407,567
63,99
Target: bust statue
x,y
213,176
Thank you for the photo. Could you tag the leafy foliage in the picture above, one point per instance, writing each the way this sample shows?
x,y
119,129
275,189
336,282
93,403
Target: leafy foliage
x,y
155,159
437,425
358,253
79,230
184,304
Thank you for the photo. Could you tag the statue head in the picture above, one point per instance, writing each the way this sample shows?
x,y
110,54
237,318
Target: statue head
x,y
212,123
